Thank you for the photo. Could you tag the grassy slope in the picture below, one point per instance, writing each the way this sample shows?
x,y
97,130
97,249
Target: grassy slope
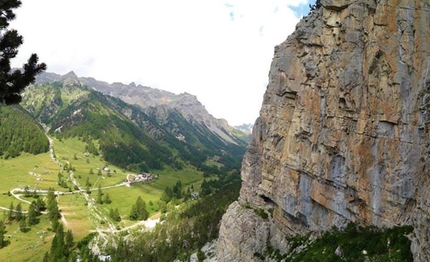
x,y
29,246
15,173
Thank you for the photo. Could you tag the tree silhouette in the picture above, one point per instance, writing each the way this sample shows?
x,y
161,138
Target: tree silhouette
x,y
12,83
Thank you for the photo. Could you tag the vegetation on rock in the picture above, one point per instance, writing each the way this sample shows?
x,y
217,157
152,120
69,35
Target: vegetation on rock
x,y
355,243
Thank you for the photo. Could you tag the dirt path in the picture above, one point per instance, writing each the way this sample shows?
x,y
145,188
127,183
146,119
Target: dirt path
x,y
7,209
147,224
63,214
18,196
103,230
92,207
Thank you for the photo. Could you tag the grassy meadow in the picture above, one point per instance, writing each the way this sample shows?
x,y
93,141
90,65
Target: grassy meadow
x,y
42,172
29,246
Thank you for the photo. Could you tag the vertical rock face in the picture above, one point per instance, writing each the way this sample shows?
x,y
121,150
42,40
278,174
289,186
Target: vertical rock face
x,y
344,129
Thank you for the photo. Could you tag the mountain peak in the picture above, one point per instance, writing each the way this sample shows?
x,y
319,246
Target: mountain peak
x,y
149,98
70,79
71,74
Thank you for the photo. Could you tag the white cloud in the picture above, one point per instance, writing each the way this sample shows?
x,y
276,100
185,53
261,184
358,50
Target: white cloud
x,y
219,51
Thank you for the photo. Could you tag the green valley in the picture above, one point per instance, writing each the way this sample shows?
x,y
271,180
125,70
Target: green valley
x,y
41,172
95,170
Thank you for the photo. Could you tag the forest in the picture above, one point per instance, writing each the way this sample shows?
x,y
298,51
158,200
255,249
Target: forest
x,y
20,133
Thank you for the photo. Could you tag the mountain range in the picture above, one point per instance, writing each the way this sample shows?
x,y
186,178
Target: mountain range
x,y
155,102
150,127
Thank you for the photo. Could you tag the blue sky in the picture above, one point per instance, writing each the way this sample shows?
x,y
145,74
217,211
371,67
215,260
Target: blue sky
x,y
219,51
301,10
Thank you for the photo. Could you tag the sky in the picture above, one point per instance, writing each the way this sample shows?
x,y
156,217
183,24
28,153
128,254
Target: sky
x,y
220,51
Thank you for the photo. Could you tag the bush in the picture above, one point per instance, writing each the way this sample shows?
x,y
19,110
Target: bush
x,y
261,213
380,245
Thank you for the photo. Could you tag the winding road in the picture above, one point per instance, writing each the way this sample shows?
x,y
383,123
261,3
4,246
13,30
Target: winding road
x,y
101,218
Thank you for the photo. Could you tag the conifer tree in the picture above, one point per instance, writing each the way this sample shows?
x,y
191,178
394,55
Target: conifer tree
x,y
18,212
11,215
27,191
2,232
22,224
69,239
32,214
177,190
60,178
138,210
167,195
114,214
107,199
57,245
41,206
54,212
99,195
46,257
12,83
61,246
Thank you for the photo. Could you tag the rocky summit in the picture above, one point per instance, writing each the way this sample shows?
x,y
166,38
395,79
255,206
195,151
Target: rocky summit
x,y
344,130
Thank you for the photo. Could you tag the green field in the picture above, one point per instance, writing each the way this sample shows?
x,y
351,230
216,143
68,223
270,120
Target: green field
x,y
28,170
76,215
29,246
41,172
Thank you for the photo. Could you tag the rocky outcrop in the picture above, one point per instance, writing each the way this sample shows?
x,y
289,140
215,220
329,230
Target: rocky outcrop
x,y
344,129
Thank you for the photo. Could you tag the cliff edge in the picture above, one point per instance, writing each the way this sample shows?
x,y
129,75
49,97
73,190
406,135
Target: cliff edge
x,y
344,130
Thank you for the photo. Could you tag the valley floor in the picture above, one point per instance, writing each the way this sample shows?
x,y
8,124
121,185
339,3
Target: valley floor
x,y
80,210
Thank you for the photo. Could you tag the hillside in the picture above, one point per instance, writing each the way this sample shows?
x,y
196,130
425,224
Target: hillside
x,y
150,99
70,109
20,133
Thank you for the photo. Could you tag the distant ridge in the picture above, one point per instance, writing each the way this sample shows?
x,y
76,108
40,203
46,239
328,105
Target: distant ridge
x,y
151,99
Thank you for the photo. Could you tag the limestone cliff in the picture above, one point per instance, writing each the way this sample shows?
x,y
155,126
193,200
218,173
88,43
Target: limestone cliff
x,y
344,129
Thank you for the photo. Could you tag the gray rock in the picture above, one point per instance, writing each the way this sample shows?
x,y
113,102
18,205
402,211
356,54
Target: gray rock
x,y
343,130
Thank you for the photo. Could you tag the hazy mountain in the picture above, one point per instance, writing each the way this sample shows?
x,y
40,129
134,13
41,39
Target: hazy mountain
x,y
246,128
